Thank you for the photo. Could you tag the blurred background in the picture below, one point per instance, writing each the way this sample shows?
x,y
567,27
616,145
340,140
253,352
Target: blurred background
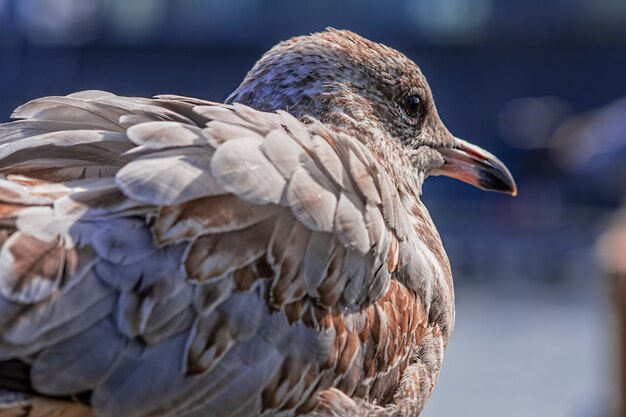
x,y
540,83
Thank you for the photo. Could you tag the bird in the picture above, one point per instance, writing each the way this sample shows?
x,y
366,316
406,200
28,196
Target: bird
x,y
268,255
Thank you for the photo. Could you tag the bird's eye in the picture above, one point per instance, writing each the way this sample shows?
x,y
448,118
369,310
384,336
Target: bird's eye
x,y
413,106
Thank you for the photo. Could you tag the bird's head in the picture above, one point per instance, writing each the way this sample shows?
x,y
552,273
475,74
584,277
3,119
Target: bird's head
x,y
372,92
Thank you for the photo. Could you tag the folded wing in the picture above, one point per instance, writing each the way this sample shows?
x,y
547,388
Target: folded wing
x,y
173,256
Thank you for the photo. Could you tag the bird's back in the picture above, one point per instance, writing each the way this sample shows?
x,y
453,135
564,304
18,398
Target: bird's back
x,y
172,256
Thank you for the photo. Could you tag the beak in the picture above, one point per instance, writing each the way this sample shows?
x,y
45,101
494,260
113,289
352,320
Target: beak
x,y
476,166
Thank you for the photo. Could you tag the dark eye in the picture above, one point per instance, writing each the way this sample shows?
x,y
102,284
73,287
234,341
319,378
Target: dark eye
x,y
413,106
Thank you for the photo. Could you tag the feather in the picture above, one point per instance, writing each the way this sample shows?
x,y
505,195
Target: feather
x,y
286,253
238,319
226,115
363,178
19,130
296,129
217,214
42,224
31,269
93,95
169,316
190,101
123,241
257,119
61,169
328,161
212,256
96,114
100,200
169,177
331,288
78,363
349,223
237,393
179,322
241,168
245,311
209,341
91,145
219,132
355,272
61,331
183,106
283,153
159,135
15,193
317,255
129,387
147,109
311,200
211,294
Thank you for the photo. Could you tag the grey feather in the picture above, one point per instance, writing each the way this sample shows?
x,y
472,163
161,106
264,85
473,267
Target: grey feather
x,y
350,224
311,200
354,269
23,129
129,388
328,161
363,178
316,258
123,241
296,129
92,314
170,316
38,319
219,132
284,153
242,169
91,95
98,115
95,144
78,363
159,135
169,177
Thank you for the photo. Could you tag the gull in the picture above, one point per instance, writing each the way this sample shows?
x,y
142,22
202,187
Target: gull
x,y
266,256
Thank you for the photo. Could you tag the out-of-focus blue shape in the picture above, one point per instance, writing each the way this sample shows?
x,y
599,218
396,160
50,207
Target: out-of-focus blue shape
x,y
5,14
134,21
592,139
58,22
529,122
603,14
216,22
457,21
591,149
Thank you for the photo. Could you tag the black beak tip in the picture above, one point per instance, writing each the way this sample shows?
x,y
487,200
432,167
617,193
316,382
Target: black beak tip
x,y
499,179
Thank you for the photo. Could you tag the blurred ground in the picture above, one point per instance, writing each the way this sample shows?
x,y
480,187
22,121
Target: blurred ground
x,y
551,356
537,82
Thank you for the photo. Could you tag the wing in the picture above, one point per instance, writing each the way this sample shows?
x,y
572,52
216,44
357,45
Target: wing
x,y
173,256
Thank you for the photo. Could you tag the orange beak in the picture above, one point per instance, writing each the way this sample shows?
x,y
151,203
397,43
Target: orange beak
x,y
474,165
